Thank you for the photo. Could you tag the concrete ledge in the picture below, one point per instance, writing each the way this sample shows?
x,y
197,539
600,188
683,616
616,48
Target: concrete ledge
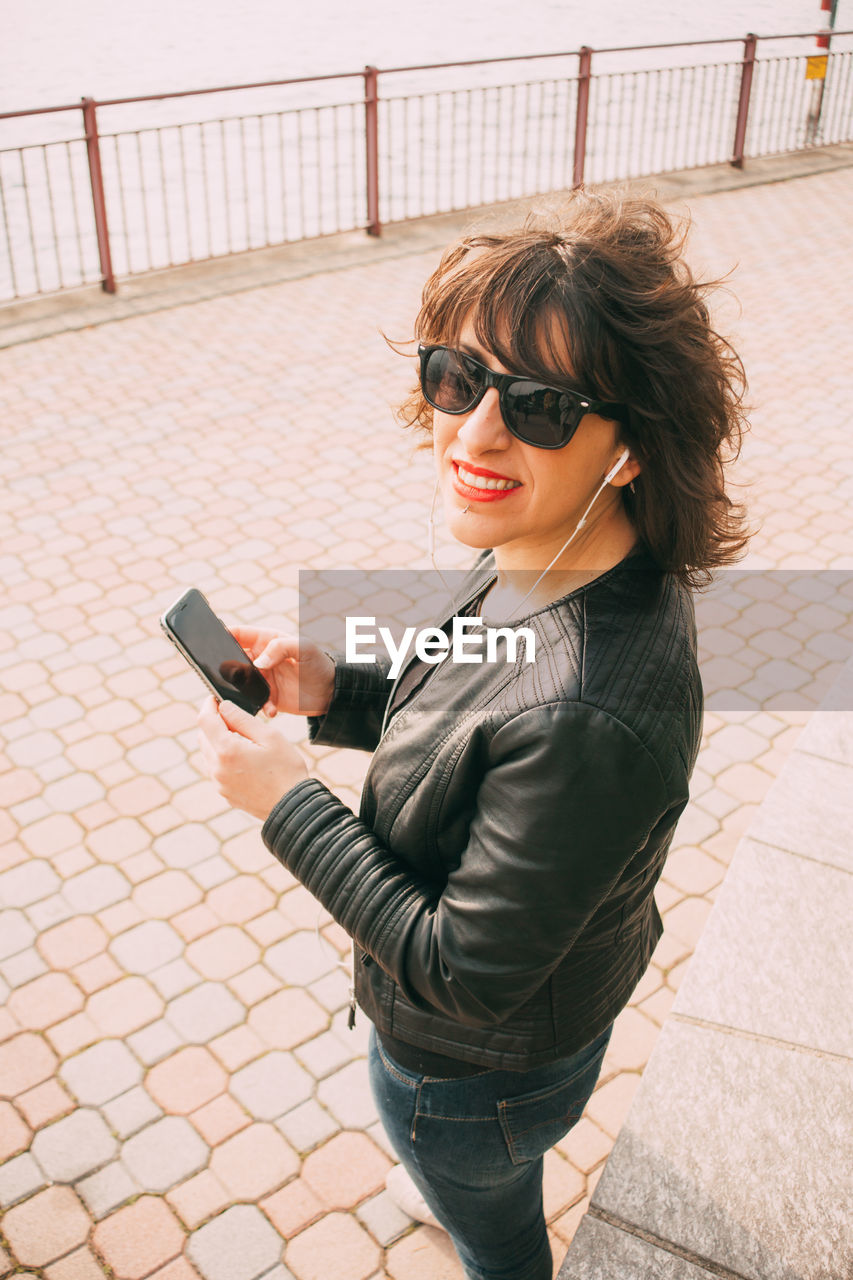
x,y
735,1157
182,286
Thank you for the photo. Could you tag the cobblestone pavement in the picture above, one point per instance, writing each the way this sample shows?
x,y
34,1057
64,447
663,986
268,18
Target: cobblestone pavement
x,y
179,1094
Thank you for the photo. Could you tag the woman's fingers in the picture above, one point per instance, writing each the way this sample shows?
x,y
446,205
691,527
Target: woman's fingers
x,y
253,639
278,649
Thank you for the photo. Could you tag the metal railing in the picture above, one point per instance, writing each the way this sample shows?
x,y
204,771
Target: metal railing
x,y
108,205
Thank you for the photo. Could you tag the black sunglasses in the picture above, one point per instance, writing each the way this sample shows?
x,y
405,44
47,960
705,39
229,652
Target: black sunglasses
x,y
546,417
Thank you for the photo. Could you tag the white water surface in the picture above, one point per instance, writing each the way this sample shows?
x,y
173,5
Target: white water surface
x,y
53,51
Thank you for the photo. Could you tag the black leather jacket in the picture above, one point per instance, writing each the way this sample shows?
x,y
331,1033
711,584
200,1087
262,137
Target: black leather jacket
x,y
513,823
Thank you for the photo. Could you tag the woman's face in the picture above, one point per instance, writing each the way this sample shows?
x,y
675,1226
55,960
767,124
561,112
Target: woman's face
x,y
549,490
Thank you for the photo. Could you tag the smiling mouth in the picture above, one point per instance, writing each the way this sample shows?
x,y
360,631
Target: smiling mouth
x,y
482,488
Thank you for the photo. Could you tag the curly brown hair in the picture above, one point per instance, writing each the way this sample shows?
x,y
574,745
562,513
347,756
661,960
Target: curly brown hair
x,y
610,270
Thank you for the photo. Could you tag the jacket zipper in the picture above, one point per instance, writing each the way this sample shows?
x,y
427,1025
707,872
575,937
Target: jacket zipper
x,y
459,605
365,957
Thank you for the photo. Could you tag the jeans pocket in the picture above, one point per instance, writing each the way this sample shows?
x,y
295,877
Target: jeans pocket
x,y
533,1122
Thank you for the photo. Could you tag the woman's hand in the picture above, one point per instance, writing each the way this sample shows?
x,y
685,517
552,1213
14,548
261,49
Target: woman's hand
x,y
248,759
300,675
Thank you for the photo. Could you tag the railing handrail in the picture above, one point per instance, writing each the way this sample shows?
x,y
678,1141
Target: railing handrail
x,y
426,66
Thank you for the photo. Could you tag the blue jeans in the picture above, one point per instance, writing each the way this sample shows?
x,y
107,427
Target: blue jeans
x,y
474,1148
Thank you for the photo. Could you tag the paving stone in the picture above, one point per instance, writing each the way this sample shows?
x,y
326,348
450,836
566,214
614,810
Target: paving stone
x,y
155,1042
19,1178
271,1086
118,840
205,1012
219,1119
156,756
188,844
186,1080
139,1238
146,947
28,883
307,1125
47,1000
14,1134
23,968
237,1047
95,974
332,991
95,889
164,1153
174,978
323,1055
345,1170
130,1112
72,942
254,1162
238,1245
287,1019
671,1170
585,1145
254,985
124,1007
73,793
379,1138
347,1095
357,1038
49,911
293,1208
25,1061
198,1199
385,1221
426,1254
101,1073
16,933
563,1185
301,958
107,1189
223,953
213,871
335,1248
44,1103
612,1100
243,898
46,1226
180,1269
74,1146
166,895
79,1265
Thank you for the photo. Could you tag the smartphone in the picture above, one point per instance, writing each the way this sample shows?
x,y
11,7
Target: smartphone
x,y
212,651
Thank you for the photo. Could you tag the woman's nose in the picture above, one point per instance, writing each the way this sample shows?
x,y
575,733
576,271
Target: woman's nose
x,y
484,429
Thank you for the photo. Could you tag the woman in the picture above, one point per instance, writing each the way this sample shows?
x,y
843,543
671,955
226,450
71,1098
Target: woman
x,y
498,881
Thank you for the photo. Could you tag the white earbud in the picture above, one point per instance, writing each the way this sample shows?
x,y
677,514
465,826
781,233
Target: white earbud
x,y
623,458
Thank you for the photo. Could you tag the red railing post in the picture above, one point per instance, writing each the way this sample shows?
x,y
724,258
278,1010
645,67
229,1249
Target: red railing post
x,y
582,114
93,150
743,100
371,134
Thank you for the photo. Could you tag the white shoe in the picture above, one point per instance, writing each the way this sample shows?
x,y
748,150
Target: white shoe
x,y
406,1196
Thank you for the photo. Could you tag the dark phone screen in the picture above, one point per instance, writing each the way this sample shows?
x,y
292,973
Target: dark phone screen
x,y
217,653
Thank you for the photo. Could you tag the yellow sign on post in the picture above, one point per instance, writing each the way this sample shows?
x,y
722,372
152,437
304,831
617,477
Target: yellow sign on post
x,y
816,67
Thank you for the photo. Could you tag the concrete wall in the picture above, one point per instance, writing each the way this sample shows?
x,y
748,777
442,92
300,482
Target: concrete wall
x,y
736,1159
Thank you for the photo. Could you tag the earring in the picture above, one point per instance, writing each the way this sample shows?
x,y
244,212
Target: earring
x,y
631,486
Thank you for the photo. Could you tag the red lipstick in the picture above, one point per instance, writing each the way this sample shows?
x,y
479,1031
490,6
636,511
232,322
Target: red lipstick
x,y
472,494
